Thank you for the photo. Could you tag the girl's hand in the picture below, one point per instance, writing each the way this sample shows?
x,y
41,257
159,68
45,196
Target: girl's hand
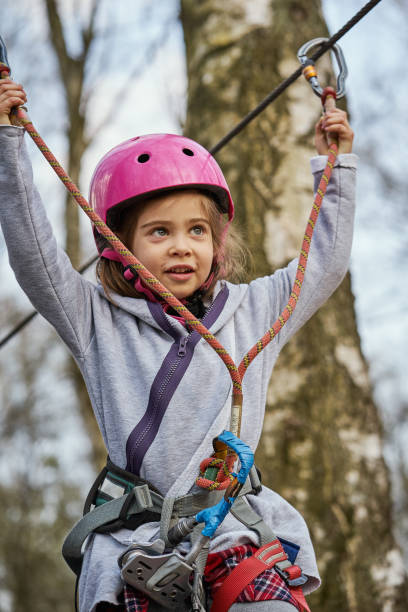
x,y
11,94
334,122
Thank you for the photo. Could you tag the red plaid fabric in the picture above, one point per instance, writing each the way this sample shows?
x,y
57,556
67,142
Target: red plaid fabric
x,y
268,585
134,600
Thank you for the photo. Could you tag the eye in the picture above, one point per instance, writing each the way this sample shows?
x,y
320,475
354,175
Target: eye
x,y
198,230
159,231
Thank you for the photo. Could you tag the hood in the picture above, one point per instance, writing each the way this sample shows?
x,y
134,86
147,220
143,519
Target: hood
x,y
139,307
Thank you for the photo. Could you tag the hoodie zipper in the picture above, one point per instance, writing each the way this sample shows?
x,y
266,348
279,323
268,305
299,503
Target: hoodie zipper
x,y
181,352
180,346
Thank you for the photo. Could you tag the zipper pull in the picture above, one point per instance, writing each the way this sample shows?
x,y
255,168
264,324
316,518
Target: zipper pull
x,y
182,346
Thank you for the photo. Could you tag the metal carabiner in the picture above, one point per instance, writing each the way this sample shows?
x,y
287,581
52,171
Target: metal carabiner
x,y
309,70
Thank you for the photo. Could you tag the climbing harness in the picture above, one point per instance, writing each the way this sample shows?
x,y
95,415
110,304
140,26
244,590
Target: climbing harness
x,y
139,496
137,502
166,577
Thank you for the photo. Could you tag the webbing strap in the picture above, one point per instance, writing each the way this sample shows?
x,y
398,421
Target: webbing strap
x,y
201,560
166,515
139,506
192,503
243,512
138,501
298,594
245,572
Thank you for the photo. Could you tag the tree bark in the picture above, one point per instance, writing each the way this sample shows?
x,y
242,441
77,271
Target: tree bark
x,y
322,442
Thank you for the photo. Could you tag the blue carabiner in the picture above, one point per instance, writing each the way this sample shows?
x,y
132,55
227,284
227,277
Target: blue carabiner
x,y
309,70
213,516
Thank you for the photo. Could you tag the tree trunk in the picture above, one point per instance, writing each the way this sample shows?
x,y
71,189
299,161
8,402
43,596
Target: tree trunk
x,y
322,442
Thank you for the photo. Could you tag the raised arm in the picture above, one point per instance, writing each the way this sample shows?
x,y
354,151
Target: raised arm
x,y
42,269
331,244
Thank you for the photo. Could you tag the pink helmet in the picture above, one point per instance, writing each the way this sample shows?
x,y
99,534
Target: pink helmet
x,y
151,164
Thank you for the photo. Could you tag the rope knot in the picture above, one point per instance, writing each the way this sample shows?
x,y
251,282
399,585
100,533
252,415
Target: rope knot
x,y
222,468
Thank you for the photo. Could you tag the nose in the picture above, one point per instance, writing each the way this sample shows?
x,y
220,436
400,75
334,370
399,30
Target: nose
x,y
180,245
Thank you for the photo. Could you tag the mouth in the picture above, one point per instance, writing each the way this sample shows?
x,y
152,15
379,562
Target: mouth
x,y
180,269
180,272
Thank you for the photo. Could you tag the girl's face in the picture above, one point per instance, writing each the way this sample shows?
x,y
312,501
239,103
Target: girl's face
x,y
173,239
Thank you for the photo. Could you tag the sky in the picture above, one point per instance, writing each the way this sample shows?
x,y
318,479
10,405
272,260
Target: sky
x,y
375,52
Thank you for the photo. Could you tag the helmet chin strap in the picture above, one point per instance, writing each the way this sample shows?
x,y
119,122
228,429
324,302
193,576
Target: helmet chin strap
x,y
194,302
138,284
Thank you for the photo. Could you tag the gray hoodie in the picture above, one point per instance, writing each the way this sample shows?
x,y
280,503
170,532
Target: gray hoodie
x,y
160,395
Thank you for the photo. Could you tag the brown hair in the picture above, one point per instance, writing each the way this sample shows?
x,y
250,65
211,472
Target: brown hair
x,y
233,259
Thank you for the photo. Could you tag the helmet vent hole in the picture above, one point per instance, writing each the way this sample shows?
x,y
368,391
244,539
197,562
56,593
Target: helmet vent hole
x,y
142,159
188,152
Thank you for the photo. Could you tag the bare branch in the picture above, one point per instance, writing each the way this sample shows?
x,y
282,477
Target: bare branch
x,y
150,52
57,38
88,33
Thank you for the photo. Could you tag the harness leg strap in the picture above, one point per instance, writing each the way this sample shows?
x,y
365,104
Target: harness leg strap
x,y
266,557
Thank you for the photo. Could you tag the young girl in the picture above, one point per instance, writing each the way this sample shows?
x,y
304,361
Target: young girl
x,y
159,392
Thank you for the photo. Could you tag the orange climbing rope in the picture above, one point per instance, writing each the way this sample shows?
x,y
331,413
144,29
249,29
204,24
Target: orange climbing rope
x,y
236,374
301,268
215,472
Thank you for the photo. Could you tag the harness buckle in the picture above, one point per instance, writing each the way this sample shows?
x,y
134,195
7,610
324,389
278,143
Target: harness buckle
x,y
143,499
256,480
292,578
130,274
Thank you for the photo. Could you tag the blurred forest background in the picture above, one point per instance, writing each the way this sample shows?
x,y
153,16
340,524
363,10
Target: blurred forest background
x,y
335,435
